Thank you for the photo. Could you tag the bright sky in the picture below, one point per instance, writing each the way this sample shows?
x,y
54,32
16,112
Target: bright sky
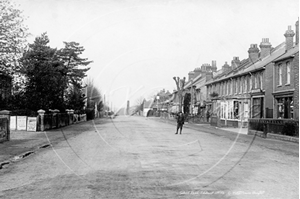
x,y
138,46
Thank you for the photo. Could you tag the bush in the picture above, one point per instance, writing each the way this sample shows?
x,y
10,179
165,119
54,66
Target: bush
x,y
90,114
290,129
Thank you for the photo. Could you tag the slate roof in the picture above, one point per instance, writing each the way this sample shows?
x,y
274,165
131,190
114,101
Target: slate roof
x,y
288,54
247,66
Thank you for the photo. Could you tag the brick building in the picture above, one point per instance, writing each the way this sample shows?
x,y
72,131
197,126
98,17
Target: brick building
x,y
244,89
196,87
286,79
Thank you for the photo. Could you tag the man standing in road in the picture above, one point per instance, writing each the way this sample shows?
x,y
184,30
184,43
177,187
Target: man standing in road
x,y
180,122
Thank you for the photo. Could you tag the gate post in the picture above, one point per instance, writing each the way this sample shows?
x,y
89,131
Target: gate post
x,y
41,115
6,114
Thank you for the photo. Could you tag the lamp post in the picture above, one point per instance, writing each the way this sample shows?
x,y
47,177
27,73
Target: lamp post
x,y
157,98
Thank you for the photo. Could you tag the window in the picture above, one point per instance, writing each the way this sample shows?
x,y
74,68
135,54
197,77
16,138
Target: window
x,y
222,110
231,85
245,84
279,75
241,85
250,83
236,85
261,80
255,81
288,73
228,87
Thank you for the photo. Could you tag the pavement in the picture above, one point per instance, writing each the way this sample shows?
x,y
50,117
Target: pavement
x,y
207,125
23,143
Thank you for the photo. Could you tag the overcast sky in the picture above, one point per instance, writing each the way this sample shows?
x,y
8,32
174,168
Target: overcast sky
x,y
138,46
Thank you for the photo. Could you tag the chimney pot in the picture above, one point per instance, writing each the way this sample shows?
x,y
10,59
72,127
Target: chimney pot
x,y
265,47
253,53
289,34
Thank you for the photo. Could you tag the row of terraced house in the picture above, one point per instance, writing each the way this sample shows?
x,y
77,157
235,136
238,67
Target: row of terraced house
x,y
263,85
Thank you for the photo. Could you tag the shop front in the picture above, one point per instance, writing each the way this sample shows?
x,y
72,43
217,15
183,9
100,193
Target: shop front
x,y
284,105
231,112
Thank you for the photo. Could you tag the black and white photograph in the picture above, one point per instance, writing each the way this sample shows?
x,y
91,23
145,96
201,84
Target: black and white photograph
x,y
149,99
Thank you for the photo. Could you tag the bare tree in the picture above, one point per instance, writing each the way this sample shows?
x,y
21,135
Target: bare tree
x,y
93,94
139,103
180,83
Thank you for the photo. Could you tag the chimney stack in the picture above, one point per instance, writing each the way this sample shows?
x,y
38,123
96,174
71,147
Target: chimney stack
x,y
253,53
214,65
208,68
197,71
235,62
297,32
226,67
265,48
289,34
191,75
203,67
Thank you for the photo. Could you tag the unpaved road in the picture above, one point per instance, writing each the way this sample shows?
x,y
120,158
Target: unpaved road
x,y
134,157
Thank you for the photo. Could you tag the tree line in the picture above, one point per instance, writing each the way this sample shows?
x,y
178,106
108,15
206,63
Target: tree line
x,y
43,77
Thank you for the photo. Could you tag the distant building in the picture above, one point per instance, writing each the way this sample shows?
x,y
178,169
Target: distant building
x,y
196,88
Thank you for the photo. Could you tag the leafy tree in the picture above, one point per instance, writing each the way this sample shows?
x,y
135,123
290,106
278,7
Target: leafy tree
x,y
13,35
74,71
75,99
45,76
73,63
53,77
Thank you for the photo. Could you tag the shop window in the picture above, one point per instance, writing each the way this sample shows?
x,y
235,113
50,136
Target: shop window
x,y
236,108
230,110
285,108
